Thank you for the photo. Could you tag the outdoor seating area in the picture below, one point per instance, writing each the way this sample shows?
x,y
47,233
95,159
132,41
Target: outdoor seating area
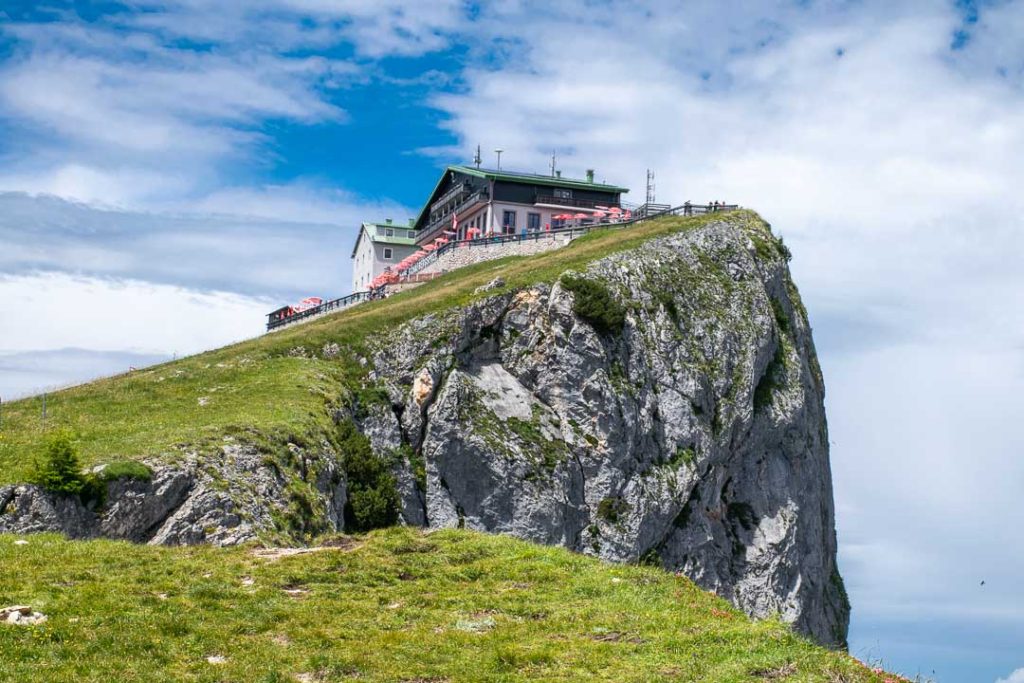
x,y
410,270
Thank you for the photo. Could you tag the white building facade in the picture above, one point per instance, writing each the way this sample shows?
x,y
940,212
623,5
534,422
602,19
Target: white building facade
x,y
379,246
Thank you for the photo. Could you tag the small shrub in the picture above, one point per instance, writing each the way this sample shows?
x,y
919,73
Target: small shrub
x,y
770,380
685,455
593,302
125,469
59,470
612,509
372,490
668,302
783,249
781,319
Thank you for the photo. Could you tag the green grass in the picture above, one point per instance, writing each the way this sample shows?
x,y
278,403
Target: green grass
x,y
269,384
397,605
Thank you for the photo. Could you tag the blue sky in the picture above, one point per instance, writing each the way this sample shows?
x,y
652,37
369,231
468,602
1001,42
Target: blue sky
x,y
199,163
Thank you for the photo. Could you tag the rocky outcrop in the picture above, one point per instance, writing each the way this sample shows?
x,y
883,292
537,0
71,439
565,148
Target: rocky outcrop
x,y
663,406
237,495
690,434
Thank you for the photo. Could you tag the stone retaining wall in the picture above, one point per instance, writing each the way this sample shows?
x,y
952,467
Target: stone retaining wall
x,y
464,256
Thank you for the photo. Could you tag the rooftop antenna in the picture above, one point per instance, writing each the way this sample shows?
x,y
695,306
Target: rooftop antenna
x,y
553,159
650,186
476,159
498,152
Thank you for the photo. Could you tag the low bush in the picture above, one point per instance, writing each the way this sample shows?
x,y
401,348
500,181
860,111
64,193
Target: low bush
x,y
125,469
612,509
593,302
372,490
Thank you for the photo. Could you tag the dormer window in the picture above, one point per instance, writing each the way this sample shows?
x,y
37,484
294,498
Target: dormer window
x,y
563,193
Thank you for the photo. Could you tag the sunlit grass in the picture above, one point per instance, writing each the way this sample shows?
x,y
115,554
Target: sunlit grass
x,y
398,605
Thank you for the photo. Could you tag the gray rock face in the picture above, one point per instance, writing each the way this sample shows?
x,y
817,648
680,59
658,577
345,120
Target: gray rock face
x,y
691,436
224,501
694,437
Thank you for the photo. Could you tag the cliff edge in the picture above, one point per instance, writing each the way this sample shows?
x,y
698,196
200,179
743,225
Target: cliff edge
x,y
658,403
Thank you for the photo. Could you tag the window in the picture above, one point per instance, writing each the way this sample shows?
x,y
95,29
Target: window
x,y
389,232
563,193
533,222
508,221
387,253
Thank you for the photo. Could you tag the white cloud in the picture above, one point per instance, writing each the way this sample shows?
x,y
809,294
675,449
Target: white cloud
x,y
52,311
1015,677
109,113
284,241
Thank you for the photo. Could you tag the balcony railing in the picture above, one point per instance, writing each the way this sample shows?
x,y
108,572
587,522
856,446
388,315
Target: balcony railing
x,y
452,194
572,231
569,201
433,227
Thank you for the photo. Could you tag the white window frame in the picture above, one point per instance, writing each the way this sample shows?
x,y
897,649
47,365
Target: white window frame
x,y
389,254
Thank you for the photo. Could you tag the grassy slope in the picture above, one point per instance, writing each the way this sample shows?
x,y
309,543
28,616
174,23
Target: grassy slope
x,y
399,605
255,385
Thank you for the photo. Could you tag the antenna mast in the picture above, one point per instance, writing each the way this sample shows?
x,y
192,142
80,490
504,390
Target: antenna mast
x,y
476,159
650,186
553,159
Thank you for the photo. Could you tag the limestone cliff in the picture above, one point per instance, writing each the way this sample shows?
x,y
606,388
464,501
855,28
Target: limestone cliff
x,y
680,424
664,405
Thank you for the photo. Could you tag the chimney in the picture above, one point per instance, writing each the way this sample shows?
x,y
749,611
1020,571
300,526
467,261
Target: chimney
x,y
558,174
590,175
412,222
388,221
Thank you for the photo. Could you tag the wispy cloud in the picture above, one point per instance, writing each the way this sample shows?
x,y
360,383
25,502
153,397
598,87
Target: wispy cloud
x,y
280,241
49,311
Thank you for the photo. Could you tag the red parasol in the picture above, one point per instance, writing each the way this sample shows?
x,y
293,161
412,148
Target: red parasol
x,y
307,303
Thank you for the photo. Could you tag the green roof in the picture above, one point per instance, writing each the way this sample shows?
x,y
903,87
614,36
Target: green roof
x,y
377,239
516,177
536,179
